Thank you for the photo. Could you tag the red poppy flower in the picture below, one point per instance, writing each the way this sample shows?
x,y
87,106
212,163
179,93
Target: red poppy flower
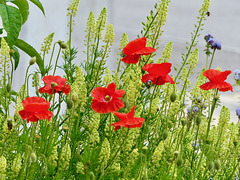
x,y
158,73
134,49
107,100
35,108
59,85
216,80
127,120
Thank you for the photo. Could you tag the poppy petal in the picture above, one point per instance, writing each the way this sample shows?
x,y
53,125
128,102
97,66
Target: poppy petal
x,y
131,59
158,69
145,51
135,45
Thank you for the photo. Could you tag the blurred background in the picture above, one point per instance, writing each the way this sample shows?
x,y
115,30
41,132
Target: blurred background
x,y
127,15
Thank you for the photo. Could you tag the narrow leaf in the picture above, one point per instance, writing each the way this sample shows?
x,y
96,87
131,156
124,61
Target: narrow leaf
x,y
23,7
31,52
16,57
38,4
11,18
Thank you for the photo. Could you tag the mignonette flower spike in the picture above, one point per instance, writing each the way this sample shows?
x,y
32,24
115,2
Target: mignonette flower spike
x,y
216,80
134,49
35,108
58,87
158,73
106,100
127,120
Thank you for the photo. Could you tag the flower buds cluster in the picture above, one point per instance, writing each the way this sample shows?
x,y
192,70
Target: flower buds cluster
x,y
212,42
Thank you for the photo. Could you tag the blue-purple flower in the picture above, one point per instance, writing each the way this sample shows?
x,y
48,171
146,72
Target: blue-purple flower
x,y
212,42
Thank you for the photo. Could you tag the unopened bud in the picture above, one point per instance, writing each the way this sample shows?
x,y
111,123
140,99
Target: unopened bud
x,y
9,124
198,119
176,153
60,42
217,164
179,161
183,121
11,52
33,157
44,172
63,46
173,97
208,141
33,60
210,165
74,97
9,87
69,104
235,142
144,149
165,134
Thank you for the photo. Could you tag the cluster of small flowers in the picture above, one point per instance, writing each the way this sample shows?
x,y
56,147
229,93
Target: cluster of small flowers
x,y
237,74
212,42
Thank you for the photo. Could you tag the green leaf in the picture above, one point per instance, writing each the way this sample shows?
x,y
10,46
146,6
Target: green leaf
x,y
11,18
23,7
16,57
31,52
39,5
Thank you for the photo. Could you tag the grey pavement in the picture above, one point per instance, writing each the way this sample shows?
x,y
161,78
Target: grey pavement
x,y
127,15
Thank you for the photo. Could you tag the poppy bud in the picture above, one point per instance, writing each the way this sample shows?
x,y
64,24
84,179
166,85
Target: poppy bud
x,y
65,128
44,172
63,46
9,124
179,161
69,104
165,134
176,153
9,87
217,164
183,121
38,138
33,60
11,52
208,141
144,149
235,142
74,97
60,42
210,165
173,97
198,119
33,157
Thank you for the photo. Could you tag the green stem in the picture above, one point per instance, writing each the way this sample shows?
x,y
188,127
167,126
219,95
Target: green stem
x,y
26,76
57,61
50,62
215,98
212,58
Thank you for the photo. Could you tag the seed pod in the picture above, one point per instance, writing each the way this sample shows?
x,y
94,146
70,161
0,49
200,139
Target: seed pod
x,y
198,119
9,124
217,164
173,97
210,165
69,104
165,134
179,161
